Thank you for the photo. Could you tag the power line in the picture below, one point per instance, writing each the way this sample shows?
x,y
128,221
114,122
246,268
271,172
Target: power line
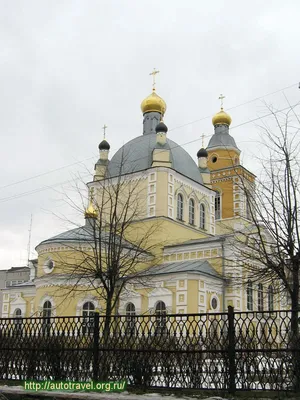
x,y
170,130
41,189
45,173
238,105
2,200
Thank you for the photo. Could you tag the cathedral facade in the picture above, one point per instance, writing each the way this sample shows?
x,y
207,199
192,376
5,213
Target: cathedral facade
x,y
196,204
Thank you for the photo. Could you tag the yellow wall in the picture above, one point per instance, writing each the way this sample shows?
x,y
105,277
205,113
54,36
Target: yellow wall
x,y
225,158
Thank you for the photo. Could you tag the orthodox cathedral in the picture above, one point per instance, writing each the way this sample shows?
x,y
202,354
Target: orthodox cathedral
x,y
197,201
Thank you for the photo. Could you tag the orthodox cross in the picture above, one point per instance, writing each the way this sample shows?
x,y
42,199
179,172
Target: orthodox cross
x,y
203,140
153,73
221,97
104,130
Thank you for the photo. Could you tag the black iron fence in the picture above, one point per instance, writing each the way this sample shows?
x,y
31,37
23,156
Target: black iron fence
x,y
222,351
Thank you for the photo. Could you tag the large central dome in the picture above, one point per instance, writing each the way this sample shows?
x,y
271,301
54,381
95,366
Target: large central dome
x,y
136,155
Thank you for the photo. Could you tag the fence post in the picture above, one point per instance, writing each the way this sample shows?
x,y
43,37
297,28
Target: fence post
x,y
231,350
96,347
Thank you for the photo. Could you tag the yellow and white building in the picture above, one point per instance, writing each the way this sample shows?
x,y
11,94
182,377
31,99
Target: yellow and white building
x,y
197,203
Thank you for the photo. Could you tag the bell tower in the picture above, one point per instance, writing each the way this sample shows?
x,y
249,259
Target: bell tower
x,y
228,177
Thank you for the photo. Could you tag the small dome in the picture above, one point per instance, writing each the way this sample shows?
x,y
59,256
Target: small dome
x,y
153,103
221,118
202,153
104,145
90,212
161,127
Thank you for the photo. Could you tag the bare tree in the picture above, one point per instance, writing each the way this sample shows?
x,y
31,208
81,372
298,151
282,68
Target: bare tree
x,y
267,248
272,239
114,247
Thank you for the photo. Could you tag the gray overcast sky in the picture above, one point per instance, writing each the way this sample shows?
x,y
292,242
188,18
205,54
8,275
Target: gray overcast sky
x,y
68,67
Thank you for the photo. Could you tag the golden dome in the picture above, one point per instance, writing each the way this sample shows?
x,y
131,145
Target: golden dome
x,y
90,212
221,118
153,103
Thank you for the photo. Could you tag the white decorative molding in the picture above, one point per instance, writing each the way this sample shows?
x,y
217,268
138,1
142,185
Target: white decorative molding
x,y
160,294
47,265
60,280
42,301
180,301
87,298
151,205
181,310
20,303
184,287
216,298
130,296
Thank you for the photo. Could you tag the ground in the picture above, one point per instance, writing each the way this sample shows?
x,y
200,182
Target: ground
x,y
17,393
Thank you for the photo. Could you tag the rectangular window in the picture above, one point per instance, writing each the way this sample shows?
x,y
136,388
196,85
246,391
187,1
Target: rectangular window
x,y
191,212
218,206
249,296
271,298
180,207
260,298
202,216
152,177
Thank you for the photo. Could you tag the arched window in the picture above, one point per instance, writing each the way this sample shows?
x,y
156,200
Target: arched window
x,y
17,319
161,317
18,313
270,298
192,212
180,207
47,311
218,206
130,319
202,216
260,297
249,296
88,310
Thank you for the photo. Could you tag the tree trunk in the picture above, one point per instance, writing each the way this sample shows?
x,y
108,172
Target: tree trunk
x,y
105,363
295,327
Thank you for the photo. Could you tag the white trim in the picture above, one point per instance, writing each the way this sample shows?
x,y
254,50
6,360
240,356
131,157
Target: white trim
x,y
88,298
130,296
214,296
46,268
152,173
42,301
184,301
181,287
18,302
227,148
160,294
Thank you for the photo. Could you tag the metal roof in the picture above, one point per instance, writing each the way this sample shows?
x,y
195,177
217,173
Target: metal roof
x,y
136,155
195,266
210,239
86,234
222,138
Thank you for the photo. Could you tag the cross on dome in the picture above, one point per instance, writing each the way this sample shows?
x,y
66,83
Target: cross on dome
x,y
153,73
104,130
221,97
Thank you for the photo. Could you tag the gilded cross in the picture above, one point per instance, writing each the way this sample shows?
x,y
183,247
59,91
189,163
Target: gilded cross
x,y
153,73
104,130
203,140
221,97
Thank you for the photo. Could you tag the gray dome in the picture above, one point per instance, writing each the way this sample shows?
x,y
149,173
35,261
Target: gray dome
x,y
136,155
221,138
